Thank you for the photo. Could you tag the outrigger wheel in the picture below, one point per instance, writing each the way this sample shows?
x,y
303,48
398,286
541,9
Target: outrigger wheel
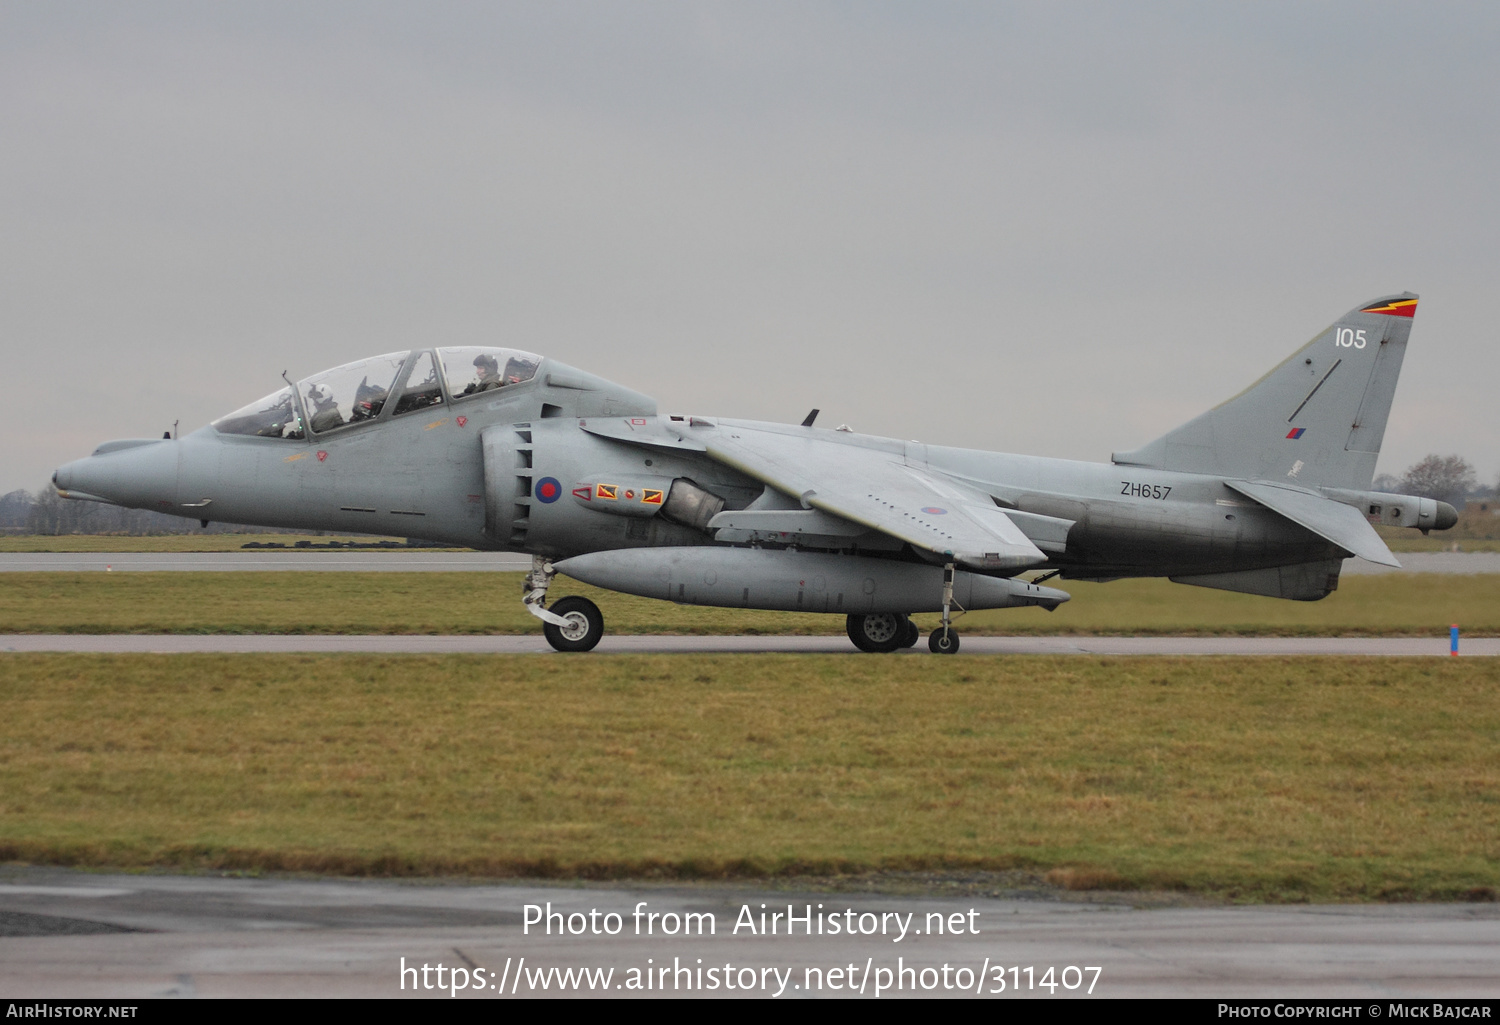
x,y
585,625
879,631
944,641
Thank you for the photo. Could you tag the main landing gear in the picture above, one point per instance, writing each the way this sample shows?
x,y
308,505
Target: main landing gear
x,y
573,623
882,631
888,631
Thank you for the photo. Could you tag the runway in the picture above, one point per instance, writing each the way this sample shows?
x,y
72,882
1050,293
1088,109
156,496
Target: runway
x,y
533,644
63,934
262,561
427,561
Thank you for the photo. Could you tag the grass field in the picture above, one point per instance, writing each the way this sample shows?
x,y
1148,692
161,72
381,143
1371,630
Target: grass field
x,y
479,603
1235,778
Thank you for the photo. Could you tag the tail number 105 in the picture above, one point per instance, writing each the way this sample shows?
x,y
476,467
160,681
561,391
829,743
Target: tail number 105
x,y
1349,338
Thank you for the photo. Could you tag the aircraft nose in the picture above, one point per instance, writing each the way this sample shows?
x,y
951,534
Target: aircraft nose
x,y
62,477
1447,516
140,475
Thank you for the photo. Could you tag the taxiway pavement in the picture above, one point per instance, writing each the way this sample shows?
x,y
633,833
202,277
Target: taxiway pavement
x,y
411,644
80,935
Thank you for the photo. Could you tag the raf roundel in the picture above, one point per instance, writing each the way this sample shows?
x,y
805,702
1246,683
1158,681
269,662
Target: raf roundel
x,y
548,490
932,510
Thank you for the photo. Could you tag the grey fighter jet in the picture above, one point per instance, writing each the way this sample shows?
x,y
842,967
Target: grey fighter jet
x,y
499,449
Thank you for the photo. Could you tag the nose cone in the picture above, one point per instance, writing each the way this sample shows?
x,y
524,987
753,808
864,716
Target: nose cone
x,y
1447,516
139,474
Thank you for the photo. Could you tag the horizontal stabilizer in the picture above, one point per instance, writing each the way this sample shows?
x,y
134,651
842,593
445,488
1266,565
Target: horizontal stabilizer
x,y
1344,525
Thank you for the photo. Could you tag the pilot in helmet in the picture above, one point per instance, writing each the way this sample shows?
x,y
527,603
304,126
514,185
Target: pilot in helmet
x,y
487,369
326,414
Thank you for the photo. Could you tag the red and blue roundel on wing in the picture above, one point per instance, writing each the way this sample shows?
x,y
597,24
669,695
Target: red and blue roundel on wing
x,y
548,490
932,510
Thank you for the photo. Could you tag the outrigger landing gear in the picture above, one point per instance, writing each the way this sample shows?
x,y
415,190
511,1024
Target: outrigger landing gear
x,y
573,623
944,640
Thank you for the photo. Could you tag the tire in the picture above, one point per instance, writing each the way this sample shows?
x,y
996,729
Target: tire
x,y
587,625
854,627
913,635
941,644
877,632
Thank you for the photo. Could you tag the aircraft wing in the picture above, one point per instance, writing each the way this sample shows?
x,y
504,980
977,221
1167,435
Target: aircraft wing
x,y
931,512
1339,523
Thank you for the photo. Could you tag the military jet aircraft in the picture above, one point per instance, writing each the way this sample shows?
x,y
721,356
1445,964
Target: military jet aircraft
x,y
498,449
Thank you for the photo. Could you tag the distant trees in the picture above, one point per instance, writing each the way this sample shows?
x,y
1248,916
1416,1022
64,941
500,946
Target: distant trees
x,y
47,512
15,507
1445,478
50,513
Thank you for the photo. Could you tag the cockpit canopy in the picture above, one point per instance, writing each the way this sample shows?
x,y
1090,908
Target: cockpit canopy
x,y
362,391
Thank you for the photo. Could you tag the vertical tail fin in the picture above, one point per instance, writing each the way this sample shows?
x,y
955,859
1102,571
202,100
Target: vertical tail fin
x,y
1317,419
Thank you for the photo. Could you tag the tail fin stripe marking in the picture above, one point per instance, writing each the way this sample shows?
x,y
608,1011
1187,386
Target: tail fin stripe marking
x,y
1314,391
1399,308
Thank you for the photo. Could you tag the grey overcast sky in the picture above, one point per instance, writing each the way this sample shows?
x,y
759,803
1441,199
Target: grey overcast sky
x,y
1055,228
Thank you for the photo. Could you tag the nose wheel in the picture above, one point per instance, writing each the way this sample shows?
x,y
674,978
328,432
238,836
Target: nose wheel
x,y
582,626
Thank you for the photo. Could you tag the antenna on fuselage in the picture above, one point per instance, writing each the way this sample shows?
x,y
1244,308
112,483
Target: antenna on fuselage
x,y
287,379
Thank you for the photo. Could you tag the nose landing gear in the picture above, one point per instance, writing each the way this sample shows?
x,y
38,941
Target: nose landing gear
x,y
573,623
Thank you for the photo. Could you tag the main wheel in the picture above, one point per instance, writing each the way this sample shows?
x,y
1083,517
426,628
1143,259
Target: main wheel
x,y
941,643
912,636
879,631
585,625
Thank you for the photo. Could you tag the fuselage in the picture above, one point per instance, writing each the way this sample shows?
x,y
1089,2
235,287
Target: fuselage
x,y
464,470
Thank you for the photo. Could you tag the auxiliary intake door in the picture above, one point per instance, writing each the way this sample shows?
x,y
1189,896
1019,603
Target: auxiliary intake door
x,y
507,482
